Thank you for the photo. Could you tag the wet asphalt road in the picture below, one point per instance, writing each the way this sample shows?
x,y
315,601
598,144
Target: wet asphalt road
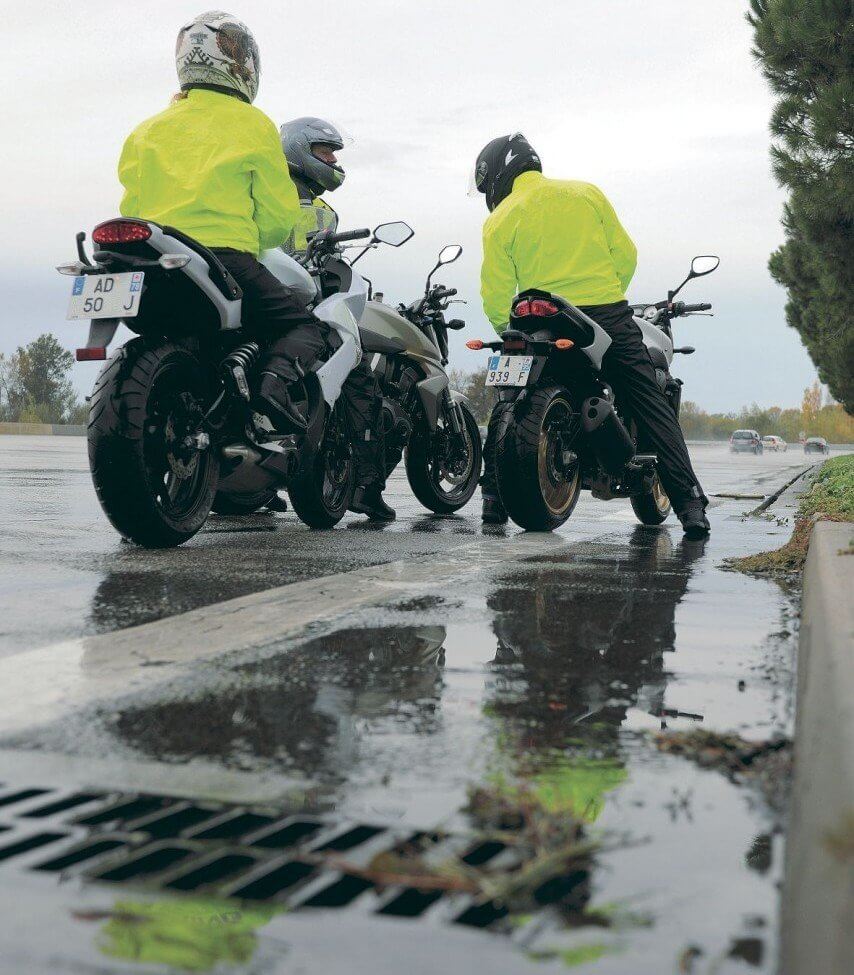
x,y
521,658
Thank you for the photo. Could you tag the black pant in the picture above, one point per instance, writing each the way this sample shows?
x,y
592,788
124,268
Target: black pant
x,y
628,369
289,333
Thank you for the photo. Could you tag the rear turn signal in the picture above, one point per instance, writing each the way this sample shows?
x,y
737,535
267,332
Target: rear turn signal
x,y
121,232
475,344
564,343
91,355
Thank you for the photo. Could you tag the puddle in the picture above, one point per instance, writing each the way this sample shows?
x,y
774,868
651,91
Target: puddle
x,y
551,673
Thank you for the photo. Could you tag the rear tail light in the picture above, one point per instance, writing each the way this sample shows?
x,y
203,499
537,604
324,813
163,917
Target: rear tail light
x,y
121,232
91,355
536,306
512,345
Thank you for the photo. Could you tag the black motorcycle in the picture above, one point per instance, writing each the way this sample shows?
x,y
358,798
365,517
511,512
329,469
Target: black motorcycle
x,y
558,427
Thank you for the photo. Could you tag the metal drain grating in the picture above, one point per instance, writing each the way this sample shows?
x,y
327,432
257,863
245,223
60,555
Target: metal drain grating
x,y
253,854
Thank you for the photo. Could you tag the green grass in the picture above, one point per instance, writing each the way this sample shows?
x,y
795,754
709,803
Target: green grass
x,y
831,498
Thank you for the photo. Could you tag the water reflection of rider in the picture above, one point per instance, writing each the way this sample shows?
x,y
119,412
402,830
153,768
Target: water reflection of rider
x,y
300,709
576,650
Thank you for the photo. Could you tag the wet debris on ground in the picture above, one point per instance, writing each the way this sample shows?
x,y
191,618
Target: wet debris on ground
x,y
766,764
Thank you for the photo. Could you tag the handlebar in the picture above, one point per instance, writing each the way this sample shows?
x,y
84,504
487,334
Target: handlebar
x,y
439,293
702,306
349,235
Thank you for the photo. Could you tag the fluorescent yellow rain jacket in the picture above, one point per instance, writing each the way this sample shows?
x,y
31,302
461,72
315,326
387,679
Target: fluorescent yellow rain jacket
x,y
314,215
212,166
556,235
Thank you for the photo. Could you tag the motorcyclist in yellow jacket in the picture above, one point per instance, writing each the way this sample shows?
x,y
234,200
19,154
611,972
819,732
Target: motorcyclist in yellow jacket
x,y
211,165
564,237
310,145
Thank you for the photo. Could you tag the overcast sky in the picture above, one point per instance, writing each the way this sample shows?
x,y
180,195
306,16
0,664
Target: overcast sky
x,y
658,103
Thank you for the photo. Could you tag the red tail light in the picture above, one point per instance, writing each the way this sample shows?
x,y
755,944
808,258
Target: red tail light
x,y
120,232
536,306
512,345
91,355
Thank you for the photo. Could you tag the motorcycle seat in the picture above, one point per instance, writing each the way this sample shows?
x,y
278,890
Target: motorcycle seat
x,y
374,342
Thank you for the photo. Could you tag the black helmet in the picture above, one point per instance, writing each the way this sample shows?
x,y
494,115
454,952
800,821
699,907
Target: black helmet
x,y
499,163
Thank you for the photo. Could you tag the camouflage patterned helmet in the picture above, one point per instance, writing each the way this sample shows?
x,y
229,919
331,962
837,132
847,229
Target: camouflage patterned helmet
x,y
218,52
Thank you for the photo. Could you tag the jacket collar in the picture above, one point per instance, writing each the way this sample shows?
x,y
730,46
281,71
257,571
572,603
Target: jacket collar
x,y
524,179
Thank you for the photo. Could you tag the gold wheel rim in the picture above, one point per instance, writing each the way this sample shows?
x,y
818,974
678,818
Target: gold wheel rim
x,y
557,493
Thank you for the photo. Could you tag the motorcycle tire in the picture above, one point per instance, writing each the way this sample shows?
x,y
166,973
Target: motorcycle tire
x,y
322,488
537,495
427,472
653,506
153,491
236,504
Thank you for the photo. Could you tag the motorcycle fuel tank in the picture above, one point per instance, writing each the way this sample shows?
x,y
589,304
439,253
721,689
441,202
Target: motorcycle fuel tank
x,y
292,274
385,322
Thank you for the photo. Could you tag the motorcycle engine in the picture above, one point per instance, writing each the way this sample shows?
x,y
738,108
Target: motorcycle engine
x,y
396,424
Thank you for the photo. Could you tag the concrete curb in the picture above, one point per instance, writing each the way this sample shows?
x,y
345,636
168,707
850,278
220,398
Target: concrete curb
x,y
818,890
44,429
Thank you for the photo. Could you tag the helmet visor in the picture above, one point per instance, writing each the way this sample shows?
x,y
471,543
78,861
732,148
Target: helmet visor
x,y
472,188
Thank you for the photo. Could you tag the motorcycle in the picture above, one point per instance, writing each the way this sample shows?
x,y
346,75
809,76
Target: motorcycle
x,y
423,418
171,434
558,427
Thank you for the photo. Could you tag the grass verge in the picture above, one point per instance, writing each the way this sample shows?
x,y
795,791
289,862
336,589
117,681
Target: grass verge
x,y
831,498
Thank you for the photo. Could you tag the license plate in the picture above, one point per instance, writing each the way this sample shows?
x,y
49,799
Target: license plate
x,y
106,295
508,370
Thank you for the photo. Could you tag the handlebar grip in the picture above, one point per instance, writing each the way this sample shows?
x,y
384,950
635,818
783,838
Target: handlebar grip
x,y
351,235
439,293
701,306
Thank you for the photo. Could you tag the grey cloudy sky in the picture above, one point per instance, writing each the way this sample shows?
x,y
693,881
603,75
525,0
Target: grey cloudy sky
x,y
658,103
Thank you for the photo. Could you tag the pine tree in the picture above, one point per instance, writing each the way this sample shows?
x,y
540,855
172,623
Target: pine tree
x,y
806,50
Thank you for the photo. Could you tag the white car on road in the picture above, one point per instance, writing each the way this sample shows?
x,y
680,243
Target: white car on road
x,y
775,443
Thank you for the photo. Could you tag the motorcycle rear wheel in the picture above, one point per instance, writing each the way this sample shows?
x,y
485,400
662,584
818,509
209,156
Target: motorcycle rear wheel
x,y
155,491
322,489
537,492
442,480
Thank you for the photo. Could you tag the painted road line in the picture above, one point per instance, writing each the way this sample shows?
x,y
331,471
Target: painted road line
x,y
39,685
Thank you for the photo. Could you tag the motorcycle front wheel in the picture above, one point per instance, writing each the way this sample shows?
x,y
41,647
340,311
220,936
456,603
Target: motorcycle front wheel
x,y
443,470
653,506
538,484
155,488
322,488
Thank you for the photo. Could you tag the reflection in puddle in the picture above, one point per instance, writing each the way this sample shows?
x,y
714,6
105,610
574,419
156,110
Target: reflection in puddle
x,y
543,679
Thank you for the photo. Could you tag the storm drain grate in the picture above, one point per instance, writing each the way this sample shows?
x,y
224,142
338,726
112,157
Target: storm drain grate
x,y
253,854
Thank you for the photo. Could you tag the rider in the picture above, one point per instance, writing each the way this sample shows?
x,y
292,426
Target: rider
x,y
564,237
310,145
211,166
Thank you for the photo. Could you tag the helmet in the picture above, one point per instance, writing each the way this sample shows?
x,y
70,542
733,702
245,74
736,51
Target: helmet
x,y
298,140
498,165
218,52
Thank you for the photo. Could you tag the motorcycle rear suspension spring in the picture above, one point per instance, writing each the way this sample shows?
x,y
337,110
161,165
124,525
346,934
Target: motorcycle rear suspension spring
x,y
246,356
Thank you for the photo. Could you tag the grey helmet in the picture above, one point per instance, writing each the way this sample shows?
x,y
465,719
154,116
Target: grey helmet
x,y
298,138
218,52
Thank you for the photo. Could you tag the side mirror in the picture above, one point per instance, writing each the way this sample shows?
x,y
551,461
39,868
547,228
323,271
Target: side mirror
x,y
447,255
394,234
704,264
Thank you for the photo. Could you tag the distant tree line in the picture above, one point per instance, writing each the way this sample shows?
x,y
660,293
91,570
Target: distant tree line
x,y
35,386
813,419
805,50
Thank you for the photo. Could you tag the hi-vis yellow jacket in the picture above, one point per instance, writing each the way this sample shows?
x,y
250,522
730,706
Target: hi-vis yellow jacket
x,y
315,215
212,166
556,235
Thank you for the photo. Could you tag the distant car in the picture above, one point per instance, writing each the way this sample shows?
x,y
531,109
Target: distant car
x,y
777,444
745,442
816,445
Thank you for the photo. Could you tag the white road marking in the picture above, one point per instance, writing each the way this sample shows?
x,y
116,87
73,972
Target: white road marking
x,y
40,685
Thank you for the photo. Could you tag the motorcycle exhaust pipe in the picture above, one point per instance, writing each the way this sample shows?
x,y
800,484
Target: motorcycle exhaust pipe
x,y
606,434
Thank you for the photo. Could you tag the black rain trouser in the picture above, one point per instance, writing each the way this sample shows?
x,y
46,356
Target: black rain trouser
x,y
628,369
288,333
